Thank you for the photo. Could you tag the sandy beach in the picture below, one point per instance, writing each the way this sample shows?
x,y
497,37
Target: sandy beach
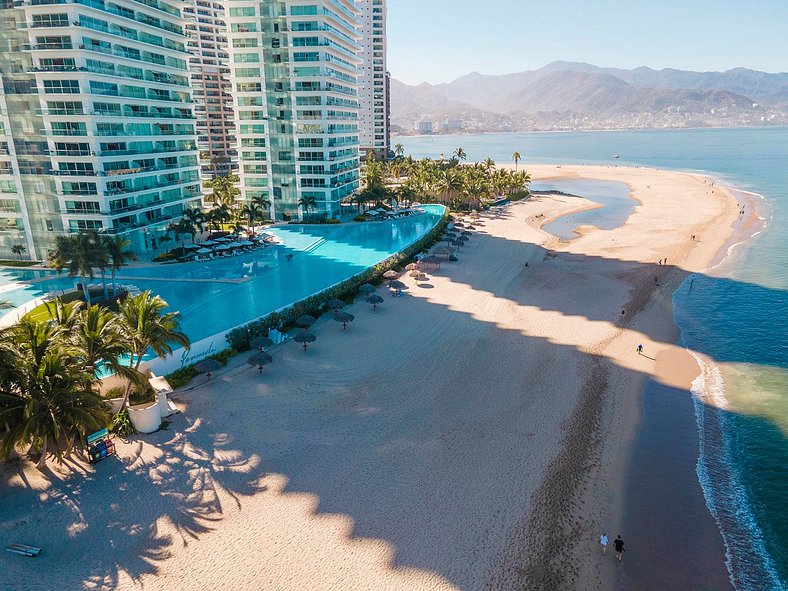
x,y
477,433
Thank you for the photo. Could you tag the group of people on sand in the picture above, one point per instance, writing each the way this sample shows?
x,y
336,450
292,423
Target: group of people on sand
x,y
618,545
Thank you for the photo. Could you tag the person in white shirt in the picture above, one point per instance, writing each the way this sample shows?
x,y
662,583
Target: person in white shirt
x,y
603,543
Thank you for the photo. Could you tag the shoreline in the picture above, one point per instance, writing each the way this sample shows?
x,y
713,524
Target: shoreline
x,y
634,492
393,461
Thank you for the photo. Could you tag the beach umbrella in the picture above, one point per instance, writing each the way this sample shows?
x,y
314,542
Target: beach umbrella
x,y
305,321
223,247
247,243
367,288
221,239
207,366
459,225
305,337
411,267
190,247
344,318
335,304
422,277
260,359
443,250
470,227
204,251
432,260
374,299
208,243
261,342
415,273
467,233
391,274
396,284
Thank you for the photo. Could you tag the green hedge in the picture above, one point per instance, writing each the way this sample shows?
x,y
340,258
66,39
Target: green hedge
x,y
181,377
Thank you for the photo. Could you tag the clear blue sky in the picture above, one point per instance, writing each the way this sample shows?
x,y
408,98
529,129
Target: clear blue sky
x,y
440,40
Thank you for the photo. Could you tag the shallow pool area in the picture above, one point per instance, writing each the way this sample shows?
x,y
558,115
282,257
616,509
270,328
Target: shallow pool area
x,y
617,205
217,295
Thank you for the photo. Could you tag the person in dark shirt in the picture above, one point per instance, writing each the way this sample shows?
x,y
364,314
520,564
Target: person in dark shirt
x,y
618,544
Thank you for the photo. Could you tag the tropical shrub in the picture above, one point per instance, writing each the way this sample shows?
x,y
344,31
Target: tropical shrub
x,y
121,424
181,377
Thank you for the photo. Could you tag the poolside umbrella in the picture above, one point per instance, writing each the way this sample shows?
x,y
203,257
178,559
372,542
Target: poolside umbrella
x,y
223,247
207,366
422,277
470,227
247,243
204,251
221,239
374,299
344,318
305,321
391,274
190,247
411,267
335,304
261,342
459,225
443,250
260,359
415,273
367,288
398,285
208,243
305,337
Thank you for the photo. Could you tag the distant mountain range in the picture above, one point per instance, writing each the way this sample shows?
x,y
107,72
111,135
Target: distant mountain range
x,y
567,95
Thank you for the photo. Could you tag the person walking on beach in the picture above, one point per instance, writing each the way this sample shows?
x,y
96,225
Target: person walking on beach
x,y
603,543
640,349
618,544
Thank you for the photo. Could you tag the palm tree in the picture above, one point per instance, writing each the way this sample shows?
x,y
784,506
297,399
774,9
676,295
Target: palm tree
x,y
64,316
449,184
252,211
181,228
52,401
197,219
144,326
516,157
488,163
219,215
119,256
460,154
308,202
99,338
399,150
19,250
223,188
263,203
79,254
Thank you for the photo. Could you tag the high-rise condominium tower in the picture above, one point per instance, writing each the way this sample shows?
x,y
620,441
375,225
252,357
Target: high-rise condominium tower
x,y
98,121
210,74
374,118
294,68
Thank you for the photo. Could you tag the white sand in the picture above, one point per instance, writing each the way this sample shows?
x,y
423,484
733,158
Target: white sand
x,y
402,453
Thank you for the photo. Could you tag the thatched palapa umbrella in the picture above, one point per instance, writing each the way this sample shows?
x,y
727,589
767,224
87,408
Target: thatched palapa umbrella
x,y
374,299
335,304
415,273
447,250
431,260
207,366
391,274
305,321
260,359
305,337
261,342
367,288
411,267
344,318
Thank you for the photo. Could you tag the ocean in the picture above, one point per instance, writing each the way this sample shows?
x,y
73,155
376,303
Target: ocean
x,y
735,315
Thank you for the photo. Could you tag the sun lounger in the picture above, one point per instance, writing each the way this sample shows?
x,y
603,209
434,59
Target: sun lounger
x,y
24,550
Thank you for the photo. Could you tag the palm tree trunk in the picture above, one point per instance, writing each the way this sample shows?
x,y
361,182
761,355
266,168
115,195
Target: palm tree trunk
x,y
114,291
42,461
104,284
85,289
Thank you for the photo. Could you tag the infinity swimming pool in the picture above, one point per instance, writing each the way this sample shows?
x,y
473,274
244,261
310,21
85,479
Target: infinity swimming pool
x,y
216,295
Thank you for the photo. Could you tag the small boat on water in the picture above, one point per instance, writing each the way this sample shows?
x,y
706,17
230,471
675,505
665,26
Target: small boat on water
x,y
616,156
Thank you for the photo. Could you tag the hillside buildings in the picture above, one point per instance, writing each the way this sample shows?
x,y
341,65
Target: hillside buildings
x,y
374,81
210,79
98,126
294,71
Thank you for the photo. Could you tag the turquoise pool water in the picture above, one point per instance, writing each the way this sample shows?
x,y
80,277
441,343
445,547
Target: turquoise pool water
x,y
617,205
217,295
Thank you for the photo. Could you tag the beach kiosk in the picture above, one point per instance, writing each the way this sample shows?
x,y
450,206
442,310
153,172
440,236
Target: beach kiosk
x,y
100,446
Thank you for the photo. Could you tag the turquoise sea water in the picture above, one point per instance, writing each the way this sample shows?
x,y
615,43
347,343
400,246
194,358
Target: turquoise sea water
x,y
735,315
